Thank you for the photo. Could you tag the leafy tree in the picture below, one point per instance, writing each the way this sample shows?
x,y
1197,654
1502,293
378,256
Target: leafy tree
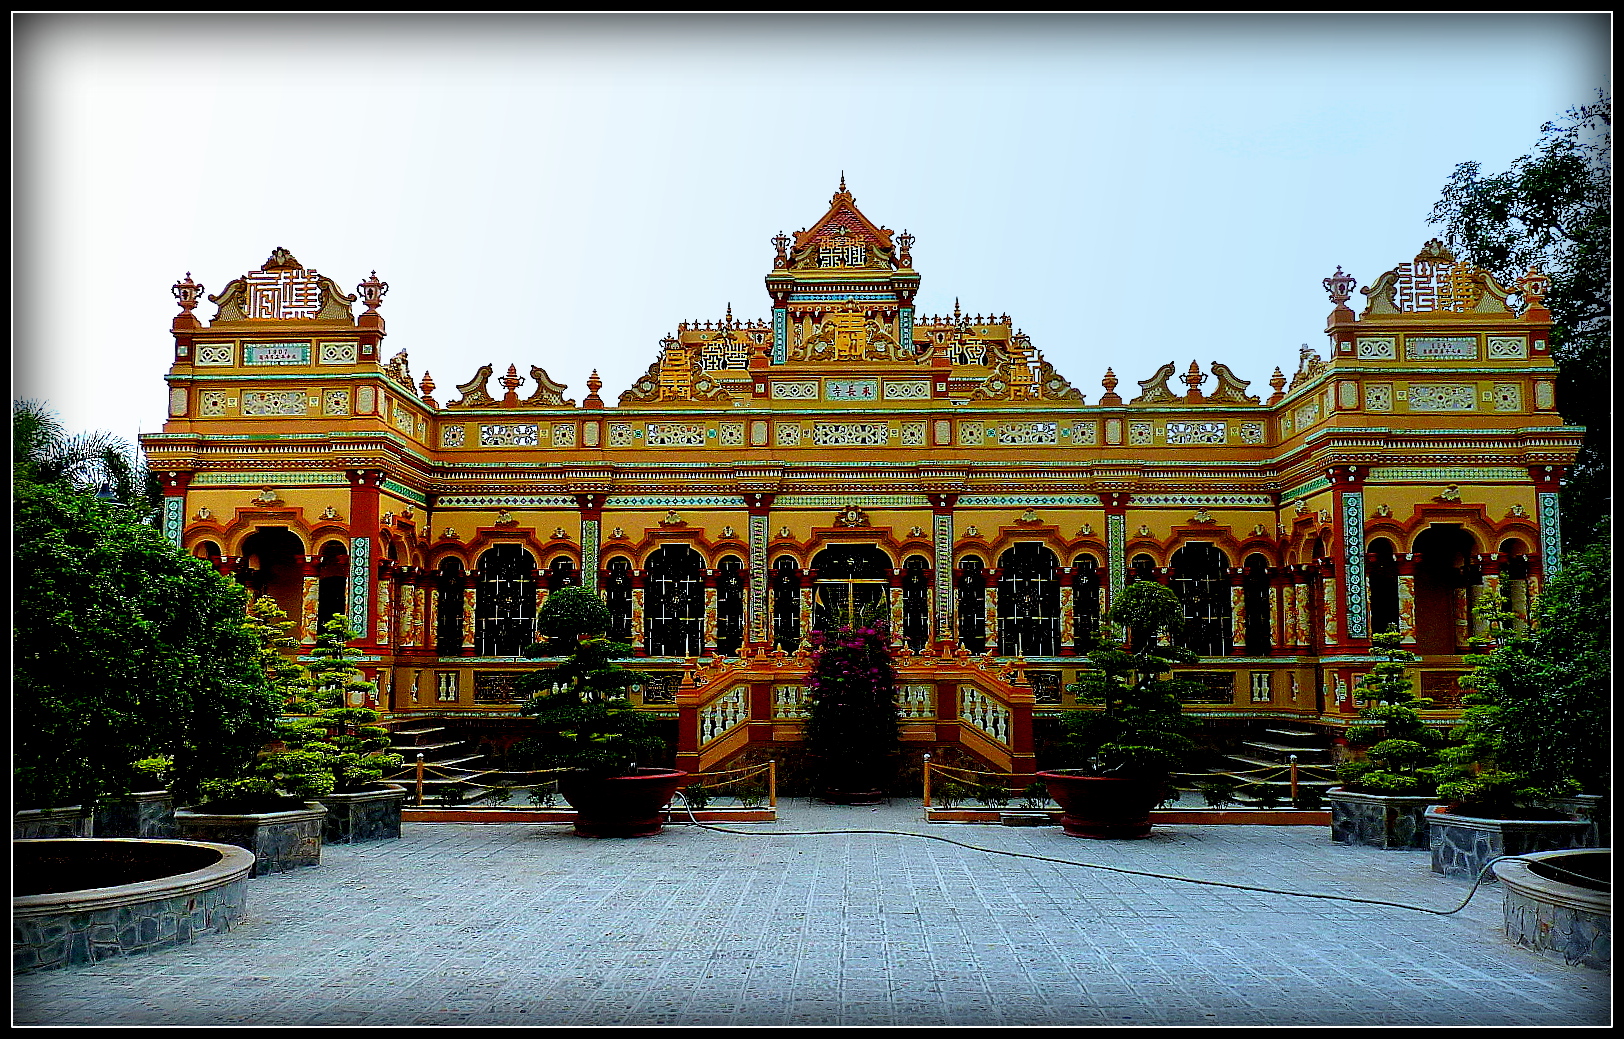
x,y
1538,720
1553,210
98,463
124,648
1401,749
584,719
1139,732
852,730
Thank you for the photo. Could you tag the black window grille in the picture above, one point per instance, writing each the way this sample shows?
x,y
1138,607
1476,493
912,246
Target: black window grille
x,y
970,590
562,574
1028,601
916,579
786,585
505,602
448,610
851,581
730,579
1382,567
1200,581
1085,599
674,602
1255,595
617,595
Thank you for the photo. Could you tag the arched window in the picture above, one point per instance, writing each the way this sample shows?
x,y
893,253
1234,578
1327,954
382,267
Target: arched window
x,y
332,581
272,564
850,579
1028,601
561,574
1382,566
674,603
505,602
1141,568
1085,598
971,592
617,595
1255,597
448,611
786,582
729,605
916,602
1202,586
1442,574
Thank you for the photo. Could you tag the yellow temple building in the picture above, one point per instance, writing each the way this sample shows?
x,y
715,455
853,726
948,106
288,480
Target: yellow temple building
x,y
765,473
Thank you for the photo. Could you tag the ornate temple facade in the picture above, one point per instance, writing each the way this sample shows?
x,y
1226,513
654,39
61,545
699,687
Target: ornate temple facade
x,y
766,475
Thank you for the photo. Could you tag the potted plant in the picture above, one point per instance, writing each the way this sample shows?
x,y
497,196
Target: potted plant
x,y
1383,799
587,726
852,733
1125,752
1528,767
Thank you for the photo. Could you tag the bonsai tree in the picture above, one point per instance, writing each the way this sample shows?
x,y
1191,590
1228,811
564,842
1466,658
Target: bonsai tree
x,y
584,719
327,746
852,732
1400,748
1537,720
1139,732
124,647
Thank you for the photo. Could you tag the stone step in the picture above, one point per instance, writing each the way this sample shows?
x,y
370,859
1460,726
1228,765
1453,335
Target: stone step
x,y
1314,739
427,749
1278,748
414,734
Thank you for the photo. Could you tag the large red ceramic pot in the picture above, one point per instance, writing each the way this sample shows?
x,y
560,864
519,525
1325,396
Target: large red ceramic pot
x,y
1103,806
622,806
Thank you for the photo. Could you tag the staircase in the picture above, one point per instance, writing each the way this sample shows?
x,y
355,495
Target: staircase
x,y
410,737
1273,749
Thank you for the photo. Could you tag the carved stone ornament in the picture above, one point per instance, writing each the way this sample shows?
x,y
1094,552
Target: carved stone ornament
x,y
268,496
406,514
547,393
1086,530
1300,506
1144,530
1435,281
1325,515
1029,516
1154,389
1231,390
851,516
1309,365
1383,511
617,534
729,532
1517,512
1449,493
558,533
449,532
203,513
1201,516
673,520
399,370
1258,531
329,513
783,532
971,531
915,532
474,392
387,518
282,290
1280,529
504,518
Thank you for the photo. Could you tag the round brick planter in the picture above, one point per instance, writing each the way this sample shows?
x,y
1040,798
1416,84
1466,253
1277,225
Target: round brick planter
x,y
137,895
622,806
1556,913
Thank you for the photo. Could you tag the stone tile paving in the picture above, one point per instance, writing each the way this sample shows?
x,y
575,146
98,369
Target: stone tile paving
x,y
519,924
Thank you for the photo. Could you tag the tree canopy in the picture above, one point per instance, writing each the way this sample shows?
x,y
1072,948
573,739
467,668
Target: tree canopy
x,y
1553,210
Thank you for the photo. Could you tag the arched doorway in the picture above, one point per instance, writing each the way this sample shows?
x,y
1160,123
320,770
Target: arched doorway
x,y
674,603
273,564
1442,574
850,579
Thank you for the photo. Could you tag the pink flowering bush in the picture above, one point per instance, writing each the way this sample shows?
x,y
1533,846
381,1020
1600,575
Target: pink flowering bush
x,y
852,734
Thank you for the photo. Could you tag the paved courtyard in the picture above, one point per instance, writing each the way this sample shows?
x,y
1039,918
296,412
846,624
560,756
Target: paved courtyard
x,y
514,924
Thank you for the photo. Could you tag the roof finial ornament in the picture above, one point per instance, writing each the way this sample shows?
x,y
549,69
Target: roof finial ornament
x,y
842,180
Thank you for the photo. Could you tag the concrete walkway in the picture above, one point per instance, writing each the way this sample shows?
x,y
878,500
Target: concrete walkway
x,y
515,924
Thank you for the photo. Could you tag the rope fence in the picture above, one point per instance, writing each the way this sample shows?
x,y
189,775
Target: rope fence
x,y
750,787
997,788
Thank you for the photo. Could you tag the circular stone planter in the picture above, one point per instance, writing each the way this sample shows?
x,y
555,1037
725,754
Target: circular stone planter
x,y
1560,904
1462,845
1102,806
45,823
622,806
123,896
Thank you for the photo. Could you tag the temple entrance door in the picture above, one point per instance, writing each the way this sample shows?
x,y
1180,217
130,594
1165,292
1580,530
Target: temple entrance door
x,y
849,579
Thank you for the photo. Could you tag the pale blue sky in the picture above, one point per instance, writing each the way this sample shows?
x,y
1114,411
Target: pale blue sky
x,y
562,191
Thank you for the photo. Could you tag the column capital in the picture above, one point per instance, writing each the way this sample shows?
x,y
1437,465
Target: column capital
x,y
1115,501
1347,477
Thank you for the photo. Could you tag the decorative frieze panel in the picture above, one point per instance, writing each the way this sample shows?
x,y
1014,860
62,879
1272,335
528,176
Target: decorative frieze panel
x,y
1508,396
758,433
254,354
1028,501
216,353
675,434
1378,348
505,501
670,501
913,389
620,434
1150,500
265,403
787,434
1140,433
1379,396
1198,432
942,432
851,389
1443,396
807,390
404,420
513,434
452,436
1544,395
1308,414
563,434
337,353
730,434
1015,434
913,434
1508,348
1251,432
335,402
851,434
1113,432
1440,348
841,501
1347,395
212,403
970,433
366,397
1447,474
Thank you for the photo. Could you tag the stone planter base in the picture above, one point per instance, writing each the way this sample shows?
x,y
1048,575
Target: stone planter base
x,y
207,894
280,841
1556,916
1379,820
1462,845
367,815
45,823
149,813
